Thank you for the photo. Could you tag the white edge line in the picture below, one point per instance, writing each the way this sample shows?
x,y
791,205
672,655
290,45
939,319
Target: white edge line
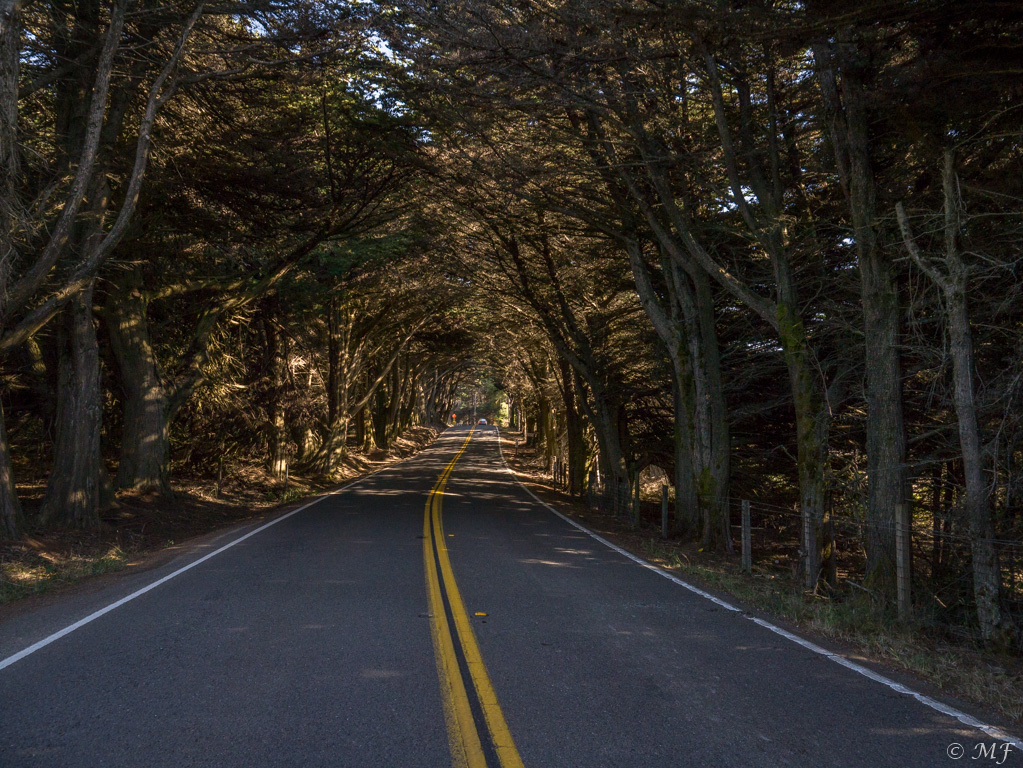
x,y
965,719
139,592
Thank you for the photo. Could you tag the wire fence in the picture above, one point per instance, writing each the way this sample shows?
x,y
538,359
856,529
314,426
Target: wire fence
x,y
937,572
940,560
939,580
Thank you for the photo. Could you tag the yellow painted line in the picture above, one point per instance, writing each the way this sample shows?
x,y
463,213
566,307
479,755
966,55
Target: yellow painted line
x,y
500,734
463,739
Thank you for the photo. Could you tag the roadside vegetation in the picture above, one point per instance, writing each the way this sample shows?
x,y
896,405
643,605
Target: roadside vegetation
x,y
953,663
140,528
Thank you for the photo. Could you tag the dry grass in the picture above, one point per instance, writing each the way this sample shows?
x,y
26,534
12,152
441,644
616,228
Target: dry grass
x,y
40,567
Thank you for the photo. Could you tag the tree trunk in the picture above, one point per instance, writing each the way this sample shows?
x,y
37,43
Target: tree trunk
x,y
712,431
275,366
886,438
812,445
304,439
73,493
363,435
145,441
332,438
674,334
378,416
574,439
608,429
575,432
397,394
987,582
687,502
10,155
10,509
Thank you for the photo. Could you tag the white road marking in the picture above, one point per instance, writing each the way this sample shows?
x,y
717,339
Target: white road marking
x,y
139,592
992,731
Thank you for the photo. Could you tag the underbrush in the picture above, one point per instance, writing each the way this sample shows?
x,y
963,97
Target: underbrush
x,y
38,571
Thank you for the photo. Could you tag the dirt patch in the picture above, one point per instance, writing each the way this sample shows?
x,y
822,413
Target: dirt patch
x,y
141,529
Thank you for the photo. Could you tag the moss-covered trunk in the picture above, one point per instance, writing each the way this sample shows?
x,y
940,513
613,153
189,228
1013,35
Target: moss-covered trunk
x,y
812,424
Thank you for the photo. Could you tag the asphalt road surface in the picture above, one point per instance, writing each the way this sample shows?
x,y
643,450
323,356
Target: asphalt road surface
x,y
435,614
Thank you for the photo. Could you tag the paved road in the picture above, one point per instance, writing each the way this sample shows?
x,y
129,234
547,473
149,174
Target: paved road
x,y
314,642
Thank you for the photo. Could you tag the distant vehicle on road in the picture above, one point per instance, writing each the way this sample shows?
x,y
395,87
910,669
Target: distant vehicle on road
x,y
482,421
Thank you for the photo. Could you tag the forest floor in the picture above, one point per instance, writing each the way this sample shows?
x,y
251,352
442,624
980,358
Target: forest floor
x,y
140,525
955,667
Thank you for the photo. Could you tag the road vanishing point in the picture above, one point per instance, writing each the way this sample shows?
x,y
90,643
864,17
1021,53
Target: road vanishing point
x,y
437,614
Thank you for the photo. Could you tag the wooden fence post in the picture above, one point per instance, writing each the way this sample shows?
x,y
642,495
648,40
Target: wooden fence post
x,y
903,560
747,540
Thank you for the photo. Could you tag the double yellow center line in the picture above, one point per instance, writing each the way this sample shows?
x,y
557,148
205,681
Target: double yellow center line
x,y
463,735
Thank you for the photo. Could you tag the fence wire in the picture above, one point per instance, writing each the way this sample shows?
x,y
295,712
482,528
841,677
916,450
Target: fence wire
x,y
941,573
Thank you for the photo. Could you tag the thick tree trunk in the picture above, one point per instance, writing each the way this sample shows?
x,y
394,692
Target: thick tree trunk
x,y
73,493
887,479
674,334
886,439
614,467
409,400
687,502
378,416
396,391
702,452
145,441
987,584
331,438
812,443
304,439
576,438
363,432
10,509
276,365
431,407
712,431
10,155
